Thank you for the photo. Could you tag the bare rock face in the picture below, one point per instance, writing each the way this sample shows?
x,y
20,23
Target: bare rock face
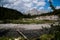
x,y
33,12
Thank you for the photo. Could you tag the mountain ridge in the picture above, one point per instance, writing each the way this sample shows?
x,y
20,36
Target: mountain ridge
x,y
6,13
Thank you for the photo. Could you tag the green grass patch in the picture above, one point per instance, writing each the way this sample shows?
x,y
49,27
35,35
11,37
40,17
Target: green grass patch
x,y
25,21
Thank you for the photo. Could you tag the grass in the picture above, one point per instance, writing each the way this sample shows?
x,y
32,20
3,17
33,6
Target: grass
x,y
46,37
11,38
26,21
42,37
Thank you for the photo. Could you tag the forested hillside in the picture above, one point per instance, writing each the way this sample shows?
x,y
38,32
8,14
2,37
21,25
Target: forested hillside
x,y
6,13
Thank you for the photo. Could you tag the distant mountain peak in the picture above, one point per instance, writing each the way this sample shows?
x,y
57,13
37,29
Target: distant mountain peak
x,y
33,12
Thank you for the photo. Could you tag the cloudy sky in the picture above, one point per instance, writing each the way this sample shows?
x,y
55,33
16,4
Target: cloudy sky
x,y
25,5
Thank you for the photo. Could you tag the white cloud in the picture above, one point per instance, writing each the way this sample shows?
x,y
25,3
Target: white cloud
x,y
42,0
41,3
11,1
41,8
35,1
26,0
33,8
57,7
49,7
28,4
17,2
25,4
6,5
48,0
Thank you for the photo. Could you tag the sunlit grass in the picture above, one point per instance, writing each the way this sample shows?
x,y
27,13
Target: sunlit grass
x,y
11,38
30,21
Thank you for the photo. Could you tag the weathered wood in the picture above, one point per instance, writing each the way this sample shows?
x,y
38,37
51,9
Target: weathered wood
x,y
22,34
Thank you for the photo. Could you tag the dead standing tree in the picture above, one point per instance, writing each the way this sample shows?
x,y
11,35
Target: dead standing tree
x,y
55,11
51,5
53,8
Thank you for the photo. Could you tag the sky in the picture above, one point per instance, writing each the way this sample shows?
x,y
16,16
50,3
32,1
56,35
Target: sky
x,y
25,5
